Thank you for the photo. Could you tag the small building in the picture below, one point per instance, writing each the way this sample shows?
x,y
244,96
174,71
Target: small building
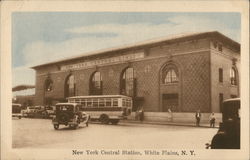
x,y
183,73
24,95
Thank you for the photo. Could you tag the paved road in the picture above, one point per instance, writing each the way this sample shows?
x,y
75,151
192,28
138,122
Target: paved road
x,y
39,133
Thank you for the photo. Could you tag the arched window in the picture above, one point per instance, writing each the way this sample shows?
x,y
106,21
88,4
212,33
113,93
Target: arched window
x,y
128,82
233,76
70,86
170,75
48,85
96,84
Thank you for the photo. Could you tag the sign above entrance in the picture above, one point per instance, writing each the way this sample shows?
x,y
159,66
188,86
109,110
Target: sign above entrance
x,y
104,61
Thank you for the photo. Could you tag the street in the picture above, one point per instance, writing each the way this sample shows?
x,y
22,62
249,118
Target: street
x,y
39,133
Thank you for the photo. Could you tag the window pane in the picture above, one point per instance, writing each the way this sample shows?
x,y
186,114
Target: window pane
x,y
108,102
95,102
115,103
233,76
70,87
220,75
96,84
171,76
89,103
101,103
127,82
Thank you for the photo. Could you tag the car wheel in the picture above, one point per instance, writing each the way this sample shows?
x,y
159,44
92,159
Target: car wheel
x,y
104,119
219,141
19,117
75,126
56,126
114,121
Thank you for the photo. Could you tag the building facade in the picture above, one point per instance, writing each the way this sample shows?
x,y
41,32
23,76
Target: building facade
x,y
183,73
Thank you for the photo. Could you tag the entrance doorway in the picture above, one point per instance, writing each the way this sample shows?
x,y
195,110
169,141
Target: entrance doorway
x,y
170,101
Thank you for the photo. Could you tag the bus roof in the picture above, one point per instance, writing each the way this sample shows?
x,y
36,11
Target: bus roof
x,y
232,99
101,96
66,104
16,104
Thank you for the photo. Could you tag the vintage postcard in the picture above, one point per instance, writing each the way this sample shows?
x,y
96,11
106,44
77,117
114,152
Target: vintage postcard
x,y
129,80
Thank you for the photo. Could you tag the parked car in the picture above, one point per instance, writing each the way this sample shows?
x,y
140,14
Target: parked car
x,y
69,114
50,111
228,135
30,111
16,110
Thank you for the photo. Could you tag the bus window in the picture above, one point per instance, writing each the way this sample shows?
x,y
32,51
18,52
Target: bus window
x,y
89,103
124,102
101,103
83,102
95,103
115,102
108,102
77,101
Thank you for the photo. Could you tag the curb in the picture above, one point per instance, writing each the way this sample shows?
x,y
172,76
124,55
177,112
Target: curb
x,y
169,123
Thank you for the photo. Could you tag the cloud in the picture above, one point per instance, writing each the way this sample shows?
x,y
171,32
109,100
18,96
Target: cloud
x,y
40,52
23,75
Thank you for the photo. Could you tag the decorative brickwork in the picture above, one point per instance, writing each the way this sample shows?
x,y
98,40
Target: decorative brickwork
x,y
196,62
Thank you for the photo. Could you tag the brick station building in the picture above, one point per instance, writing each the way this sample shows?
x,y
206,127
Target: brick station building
x,y
183,73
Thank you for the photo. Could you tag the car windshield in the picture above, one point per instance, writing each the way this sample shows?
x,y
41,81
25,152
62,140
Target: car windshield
x,y
68,108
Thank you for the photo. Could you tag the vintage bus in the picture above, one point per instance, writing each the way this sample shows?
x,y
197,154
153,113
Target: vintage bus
x,y
16,110
105,108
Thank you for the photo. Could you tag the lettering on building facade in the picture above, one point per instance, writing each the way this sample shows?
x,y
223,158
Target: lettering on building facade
x,y
104,61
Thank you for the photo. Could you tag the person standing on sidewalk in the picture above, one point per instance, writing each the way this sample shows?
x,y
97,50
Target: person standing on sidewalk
x,y
141,114
170,114
212,120
198,117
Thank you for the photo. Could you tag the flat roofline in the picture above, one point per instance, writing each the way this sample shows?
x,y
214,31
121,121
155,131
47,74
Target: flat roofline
x,y
232,99
151,42
96,96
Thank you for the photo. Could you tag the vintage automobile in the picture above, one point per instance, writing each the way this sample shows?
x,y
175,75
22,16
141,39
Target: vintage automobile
x,y
228,135
30,111
69,114
49,111
16,110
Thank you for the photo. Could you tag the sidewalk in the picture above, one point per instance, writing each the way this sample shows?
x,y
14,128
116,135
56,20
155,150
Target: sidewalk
x,y
187,124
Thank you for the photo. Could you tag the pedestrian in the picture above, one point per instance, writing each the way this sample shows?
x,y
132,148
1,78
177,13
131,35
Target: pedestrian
x,y
198,117
212,120
141,114
170,114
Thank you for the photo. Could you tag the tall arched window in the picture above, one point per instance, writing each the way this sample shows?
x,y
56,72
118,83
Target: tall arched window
x,y
170,74
70,86
233,76
48,86
128,82
96,84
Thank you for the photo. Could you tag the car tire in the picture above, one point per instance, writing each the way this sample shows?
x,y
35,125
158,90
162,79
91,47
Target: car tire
x,y
19,117
219,141
75,126
114,121
56,126
104,119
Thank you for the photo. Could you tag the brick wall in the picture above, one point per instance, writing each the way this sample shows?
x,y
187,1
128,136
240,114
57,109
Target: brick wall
x,y
223,60
192,59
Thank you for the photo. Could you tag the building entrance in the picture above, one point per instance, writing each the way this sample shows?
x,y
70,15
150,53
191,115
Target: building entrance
x,y
170,101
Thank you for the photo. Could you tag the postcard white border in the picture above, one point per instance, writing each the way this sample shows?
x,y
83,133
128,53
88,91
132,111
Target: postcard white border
x,y
8,7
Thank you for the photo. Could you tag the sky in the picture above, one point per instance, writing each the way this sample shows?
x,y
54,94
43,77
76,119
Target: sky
x,y
42,37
